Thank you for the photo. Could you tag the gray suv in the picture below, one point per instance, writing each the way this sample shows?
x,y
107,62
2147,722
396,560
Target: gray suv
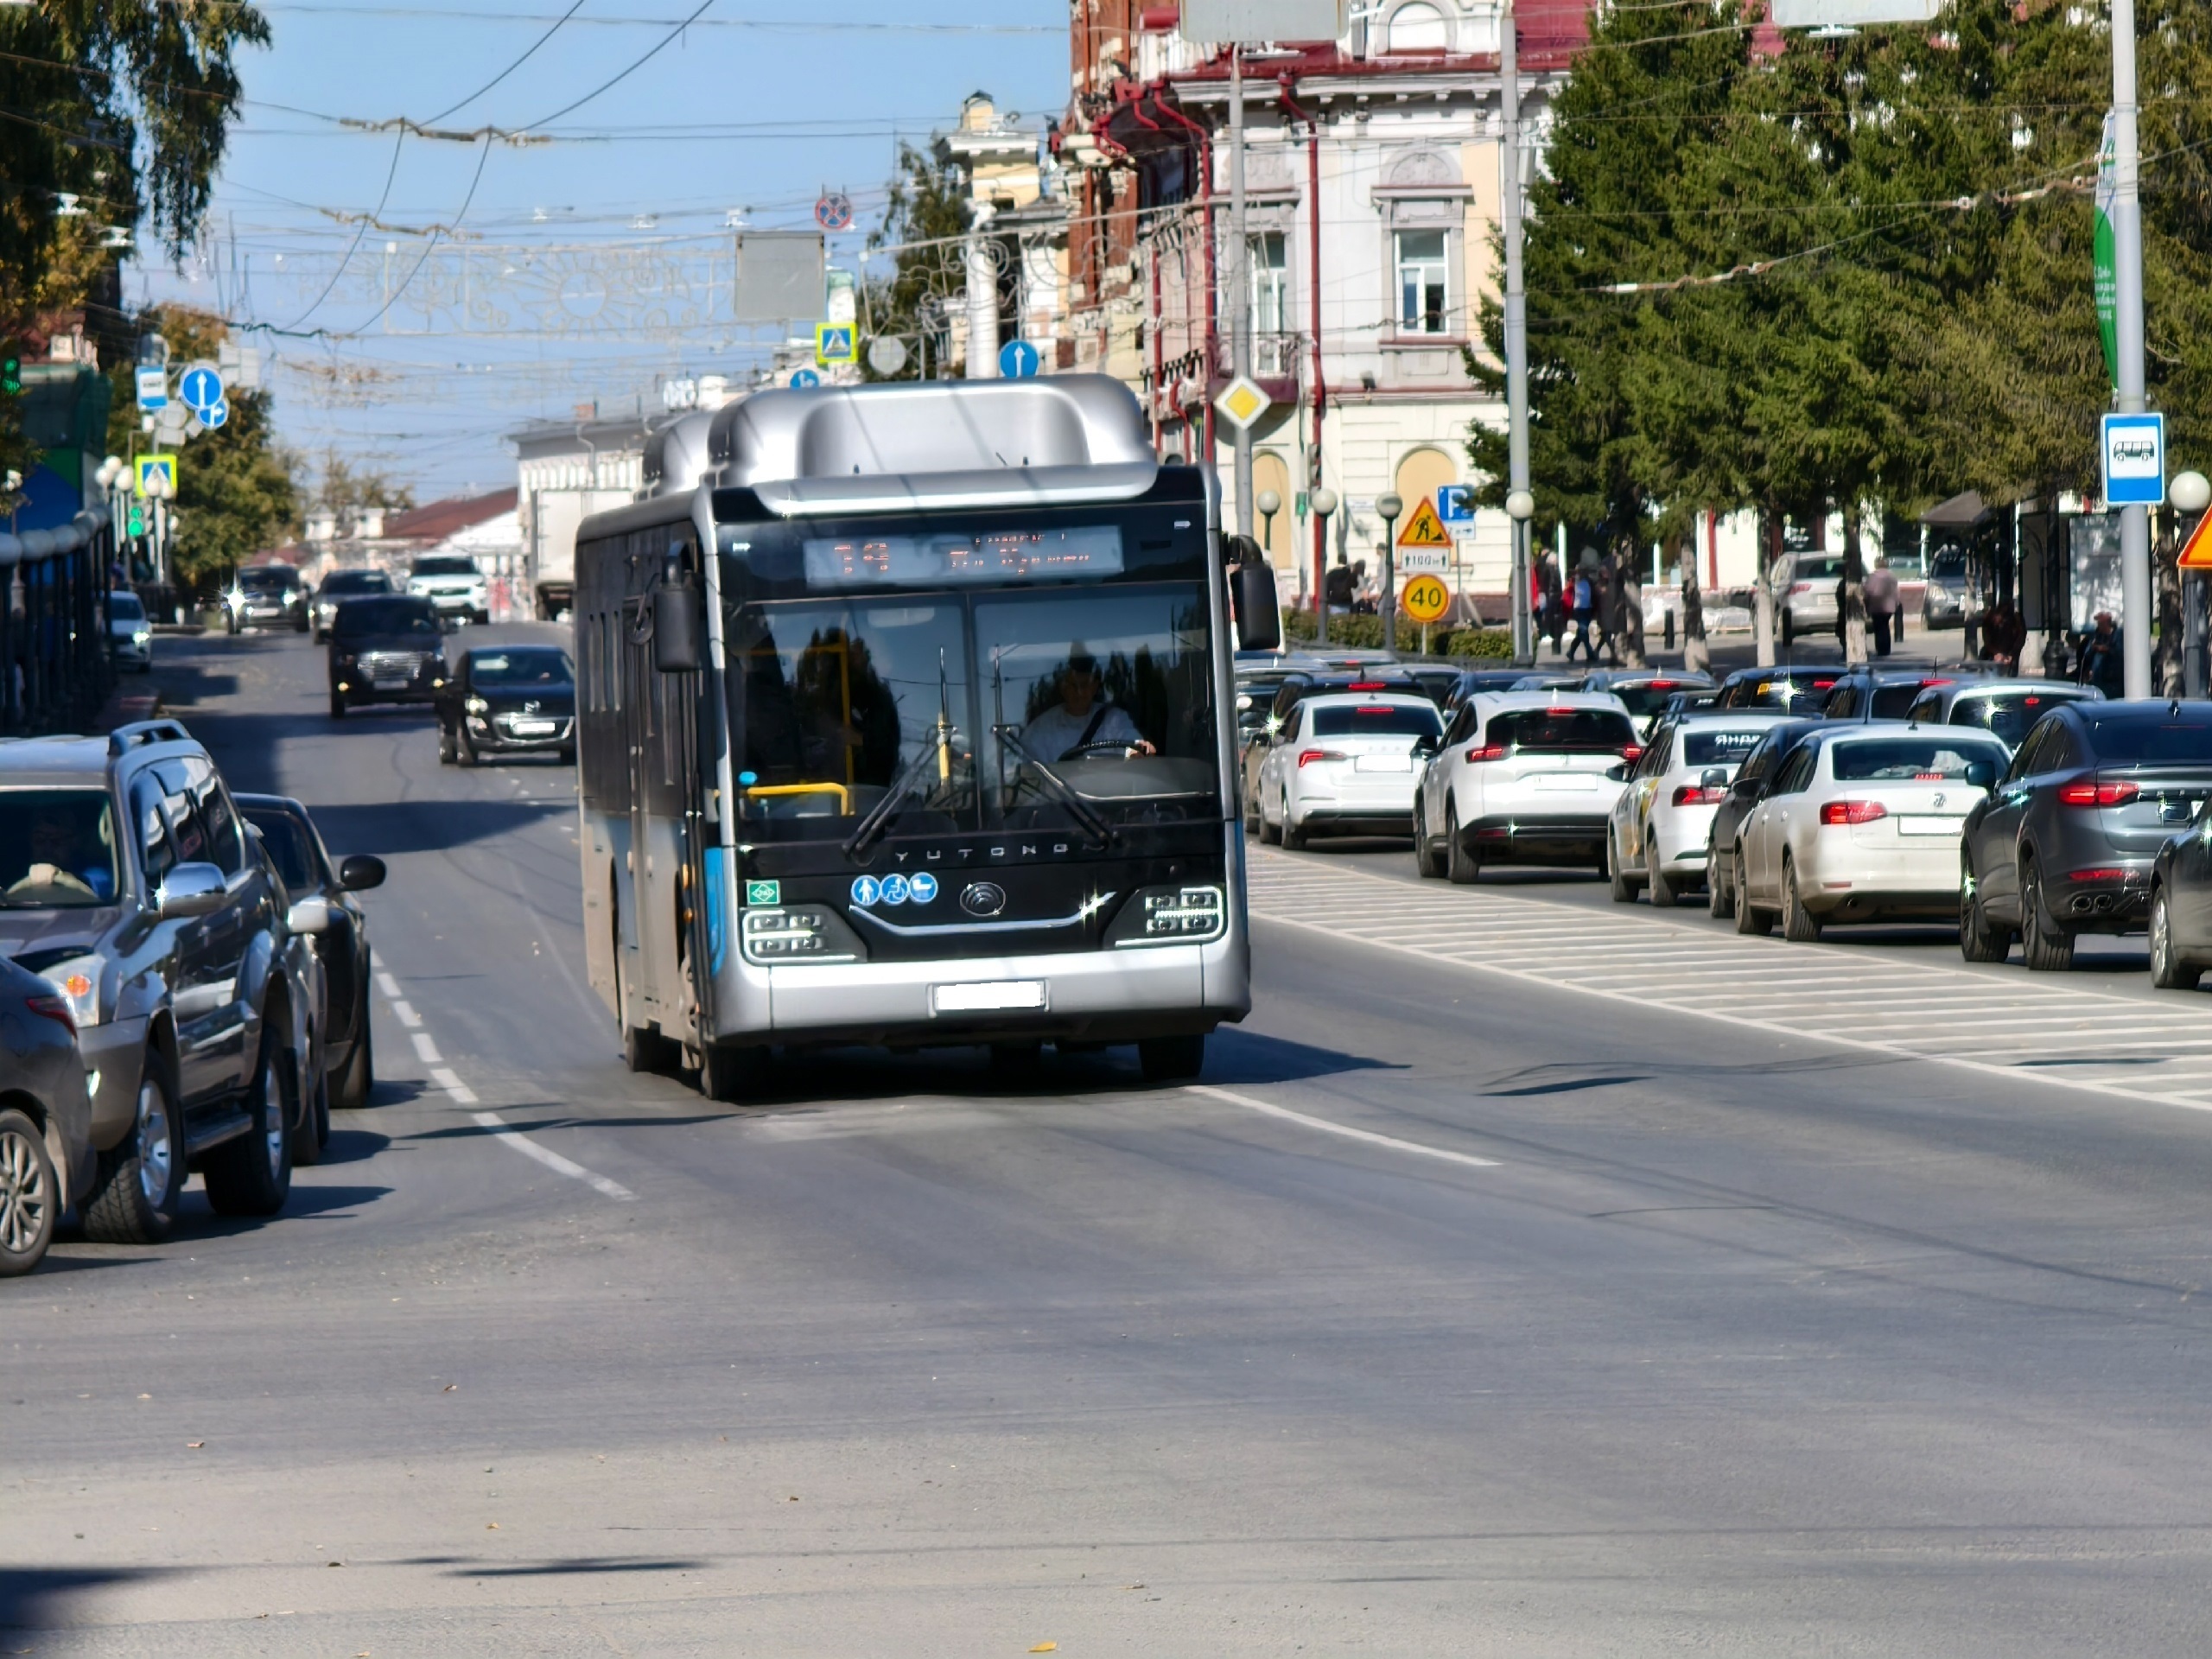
x,y
129,883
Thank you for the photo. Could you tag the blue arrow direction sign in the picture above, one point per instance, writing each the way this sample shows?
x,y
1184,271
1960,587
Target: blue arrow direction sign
x,y
805,377
212,418
1018,359
199,389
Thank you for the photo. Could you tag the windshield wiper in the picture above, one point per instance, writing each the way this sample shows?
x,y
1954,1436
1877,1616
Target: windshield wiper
x,y
871,827
1066,793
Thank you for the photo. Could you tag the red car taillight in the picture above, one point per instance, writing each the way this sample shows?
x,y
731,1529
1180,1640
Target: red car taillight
x,y
1852,812
2086,794
1633,751
1488,751
55,1008
1307,757
1700,794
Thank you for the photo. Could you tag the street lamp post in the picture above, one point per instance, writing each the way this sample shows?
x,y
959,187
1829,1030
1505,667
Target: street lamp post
x,y
1389,506
1520,507
1269,504
1325,503
2191,493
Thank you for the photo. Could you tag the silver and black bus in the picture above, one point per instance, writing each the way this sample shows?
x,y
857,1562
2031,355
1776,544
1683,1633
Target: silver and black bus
x,y
900,721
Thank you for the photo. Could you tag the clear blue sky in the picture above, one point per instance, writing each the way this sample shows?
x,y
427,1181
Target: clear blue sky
x,y
756,107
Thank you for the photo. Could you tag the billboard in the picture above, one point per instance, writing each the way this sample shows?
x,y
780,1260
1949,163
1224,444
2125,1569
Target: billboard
x,y
1851,14
1255,23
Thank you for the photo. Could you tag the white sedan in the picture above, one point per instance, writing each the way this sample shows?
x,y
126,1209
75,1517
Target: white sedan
x,y
1523,777
1657,837
1342,764
1861,825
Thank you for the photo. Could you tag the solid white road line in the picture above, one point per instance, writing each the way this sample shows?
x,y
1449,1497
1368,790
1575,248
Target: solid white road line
x,y
552,1160
1345,1130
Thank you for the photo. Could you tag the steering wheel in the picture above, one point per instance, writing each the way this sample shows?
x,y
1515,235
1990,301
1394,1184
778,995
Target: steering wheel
x,y
1127,750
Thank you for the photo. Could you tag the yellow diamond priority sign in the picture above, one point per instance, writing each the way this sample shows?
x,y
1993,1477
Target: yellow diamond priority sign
x,y
1241,403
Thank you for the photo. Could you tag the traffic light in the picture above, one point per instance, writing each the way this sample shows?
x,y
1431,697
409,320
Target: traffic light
x,y
12,375
138,522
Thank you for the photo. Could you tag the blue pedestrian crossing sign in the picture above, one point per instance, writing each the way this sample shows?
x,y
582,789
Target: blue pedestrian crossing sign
x,y
805,377
1018,359
199,389
152,466
1455,503
835,342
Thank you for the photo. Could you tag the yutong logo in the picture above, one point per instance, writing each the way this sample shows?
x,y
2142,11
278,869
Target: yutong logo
x,y
983,899
998,854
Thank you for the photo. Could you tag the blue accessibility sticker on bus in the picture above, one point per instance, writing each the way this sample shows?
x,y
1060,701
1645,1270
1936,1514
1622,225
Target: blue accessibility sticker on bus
x,y
866,889
895,889
922,887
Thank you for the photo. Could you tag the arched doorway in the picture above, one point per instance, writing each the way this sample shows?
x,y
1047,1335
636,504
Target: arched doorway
x,y
1271,472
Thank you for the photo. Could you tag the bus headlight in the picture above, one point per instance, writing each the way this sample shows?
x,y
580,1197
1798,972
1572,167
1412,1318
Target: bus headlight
x,y
796,933
1170,916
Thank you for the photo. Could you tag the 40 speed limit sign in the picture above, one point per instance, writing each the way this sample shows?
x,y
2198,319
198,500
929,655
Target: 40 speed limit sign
x,y
1426,599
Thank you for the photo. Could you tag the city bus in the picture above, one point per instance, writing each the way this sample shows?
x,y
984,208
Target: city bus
x,y
900,721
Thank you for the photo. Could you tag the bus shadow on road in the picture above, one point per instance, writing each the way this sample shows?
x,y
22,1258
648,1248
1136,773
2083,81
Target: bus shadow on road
x,y
43,1597
1237,1056
431,825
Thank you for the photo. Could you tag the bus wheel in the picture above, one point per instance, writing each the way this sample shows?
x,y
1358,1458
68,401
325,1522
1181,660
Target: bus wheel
x,y
1172,1059
731,1073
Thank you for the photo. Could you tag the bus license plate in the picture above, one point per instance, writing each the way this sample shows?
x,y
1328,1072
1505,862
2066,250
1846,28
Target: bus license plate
x,y
987,996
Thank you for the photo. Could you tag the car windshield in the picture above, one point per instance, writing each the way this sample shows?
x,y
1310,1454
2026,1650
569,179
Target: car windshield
x,y
1819,566
2009,714
57,848
2144,741
355,581
1560,731
1647,699
521,665
1718,748
1948,564
454,566
285,840
1376,720
1895,702
363,617
1911,759
125,607
265,581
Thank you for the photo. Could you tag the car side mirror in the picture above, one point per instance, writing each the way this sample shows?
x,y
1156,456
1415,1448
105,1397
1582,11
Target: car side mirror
x,y
360,873
1981,773
679,630
193,889
310,915
1714,778
1428,744
1259,621
1618,771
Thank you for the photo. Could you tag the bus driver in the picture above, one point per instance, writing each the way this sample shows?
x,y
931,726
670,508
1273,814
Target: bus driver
x,y
1079,720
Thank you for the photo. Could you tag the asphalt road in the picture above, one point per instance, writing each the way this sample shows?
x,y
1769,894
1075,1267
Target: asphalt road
x,y
1457,1311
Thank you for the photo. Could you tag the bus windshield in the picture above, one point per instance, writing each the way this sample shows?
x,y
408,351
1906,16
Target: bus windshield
x,y
1036,697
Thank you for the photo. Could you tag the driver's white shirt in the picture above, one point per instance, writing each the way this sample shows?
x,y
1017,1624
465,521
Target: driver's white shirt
x,y
1056,731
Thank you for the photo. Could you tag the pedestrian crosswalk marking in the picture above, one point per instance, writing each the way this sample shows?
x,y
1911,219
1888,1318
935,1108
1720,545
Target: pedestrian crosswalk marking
x,y
2060,1032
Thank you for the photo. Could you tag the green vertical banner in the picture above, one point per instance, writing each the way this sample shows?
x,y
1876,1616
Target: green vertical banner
x,y
2102,258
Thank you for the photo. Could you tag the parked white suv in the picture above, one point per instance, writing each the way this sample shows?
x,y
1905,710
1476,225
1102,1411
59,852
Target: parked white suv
x,y
1523,778
1804,594
453,584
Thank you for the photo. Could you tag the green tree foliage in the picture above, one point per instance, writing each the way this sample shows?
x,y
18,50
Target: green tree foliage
x,y
1899,222
925,218
236,492
344,490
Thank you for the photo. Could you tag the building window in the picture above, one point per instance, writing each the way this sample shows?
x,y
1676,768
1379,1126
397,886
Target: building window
x,y
1419,26
1424,296
1270,284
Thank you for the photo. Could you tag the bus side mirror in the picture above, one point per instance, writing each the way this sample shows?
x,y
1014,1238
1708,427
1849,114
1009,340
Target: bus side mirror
x,y
679,631
1259,623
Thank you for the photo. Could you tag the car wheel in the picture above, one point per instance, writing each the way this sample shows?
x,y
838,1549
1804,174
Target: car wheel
x,y
1462,868
1979,939
727,1073
445,744
2168,971
30,1198
337,705
1656,887
1798,923
1426,865
141,1180
1270,833
1788,628
1172,1059
568,755
1294,835
361,1075
1750,918
1623,890
312,1133
229,622
464,751
1719,893
2049,949
251,1175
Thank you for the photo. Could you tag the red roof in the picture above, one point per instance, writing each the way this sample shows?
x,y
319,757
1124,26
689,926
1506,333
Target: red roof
x,y
443,519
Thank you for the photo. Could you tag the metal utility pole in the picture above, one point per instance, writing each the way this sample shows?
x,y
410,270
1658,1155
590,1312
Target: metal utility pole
x,y
1240,309
2127,296
1516,329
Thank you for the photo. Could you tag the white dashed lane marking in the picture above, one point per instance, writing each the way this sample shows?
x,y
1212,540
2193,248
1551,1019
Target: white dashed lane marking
x,y
1322,1124
2058,1030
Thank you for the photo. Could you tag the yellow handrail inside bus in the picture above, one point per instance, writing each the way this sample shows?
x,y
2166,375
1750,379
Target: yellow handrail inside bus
x,y
844,795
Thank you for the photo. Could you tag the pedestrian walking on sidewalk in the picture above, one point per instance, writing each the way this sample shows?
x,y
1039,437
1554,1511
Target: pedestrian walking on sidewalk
x,y
1881,596
1582,606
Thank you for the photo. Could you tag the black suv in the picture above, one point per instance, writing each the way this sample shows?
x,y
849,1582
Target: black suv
x,y
128,881
1865,695
1796,690
386,648
2064,843
508,700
